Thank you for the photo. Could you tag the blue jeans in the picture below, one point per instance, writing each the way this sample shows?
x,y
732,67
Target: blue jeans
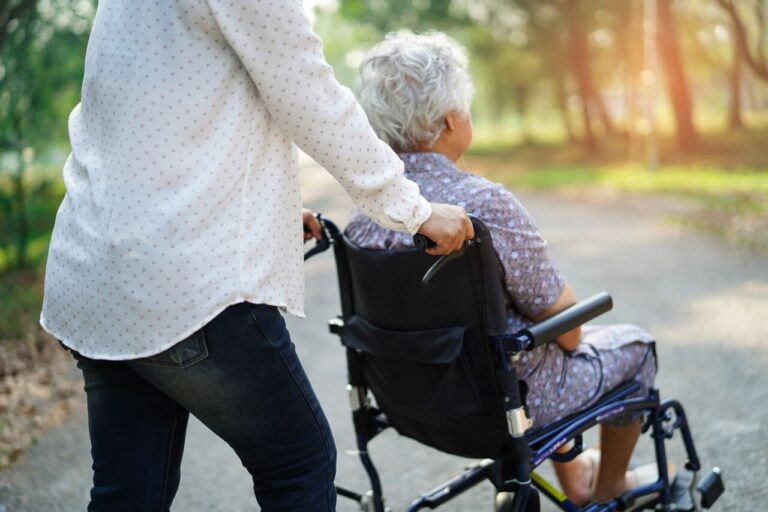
x,y
240,376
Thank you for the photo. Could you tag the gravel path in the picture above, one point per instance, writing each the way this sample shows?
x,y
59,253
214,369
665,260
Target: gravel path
x,y
706,302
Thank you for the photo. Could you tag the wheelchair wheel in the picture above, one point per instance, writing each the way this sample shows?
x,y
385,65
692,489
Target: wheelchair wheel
x,y
503,502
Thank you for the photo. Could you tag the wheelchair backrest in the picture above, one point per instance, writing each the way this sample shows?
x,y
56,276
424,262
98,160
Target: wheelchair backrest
x,y
385,288
424,350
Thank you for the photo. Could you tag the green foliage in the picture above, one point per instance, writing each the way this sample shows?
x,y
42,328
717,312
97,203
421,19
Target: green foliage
x,y
21,293
41,68
43,196
389,15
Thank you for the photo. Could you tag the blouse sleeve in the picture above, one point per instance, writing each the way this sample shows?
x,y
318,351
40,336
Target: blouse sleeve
x,y
531,279
277,46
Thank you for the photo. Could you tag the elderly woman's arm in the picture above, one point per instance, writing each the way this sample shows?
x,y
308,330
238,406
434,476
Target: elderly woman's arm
x,y
570,340
536,288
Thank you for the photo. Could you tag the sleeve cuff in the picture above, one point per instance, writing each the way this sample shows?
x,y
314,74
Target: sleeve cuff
x,y
421,213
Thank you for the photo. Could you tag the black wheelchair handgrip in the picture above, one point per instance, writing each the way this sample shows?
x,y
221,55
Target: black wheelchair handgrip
x,y
329,232
423,243
569,318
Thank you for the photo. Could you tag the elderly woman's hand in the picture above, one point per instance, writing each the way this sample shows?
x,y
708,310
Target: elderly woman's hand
x,y
448,227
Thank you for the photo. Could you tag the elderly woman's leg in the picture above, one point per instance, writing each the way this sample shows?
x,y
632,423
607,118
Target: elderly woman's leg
x,y
617,443
580,478
634,361
568,382
577,477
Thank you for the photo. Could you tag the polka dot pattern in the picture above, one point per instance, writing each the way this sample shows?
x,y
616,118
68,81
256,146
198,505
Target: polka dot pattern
x,y
182,186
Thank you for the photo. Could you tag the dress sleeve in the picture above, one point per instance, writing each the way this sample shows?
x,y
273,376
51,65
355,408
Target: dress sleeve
x,y
275,42
532,281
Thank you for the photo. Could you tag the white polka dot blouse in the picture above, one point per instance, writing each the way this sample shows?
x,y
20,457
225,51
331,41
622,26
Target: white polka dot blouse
x,y
182,185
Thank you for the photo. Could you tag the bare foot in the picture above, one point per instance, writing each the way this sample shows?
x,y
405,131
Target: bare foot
x,y
634,478
577,477
645,475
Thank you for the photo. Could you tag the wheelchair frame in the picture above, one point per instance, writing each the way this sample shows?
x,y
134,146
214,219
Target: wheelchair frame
x,y
518,485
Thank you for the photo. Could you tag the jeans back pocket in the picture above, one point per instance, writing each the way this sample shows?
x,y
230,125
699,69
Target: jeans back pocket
x,y
183,354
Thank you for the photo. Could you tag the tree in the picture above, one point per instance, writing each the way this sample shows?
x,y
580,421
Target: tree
x,y
679,92
754,54
734,83
42,65
13,12
578,57
549,42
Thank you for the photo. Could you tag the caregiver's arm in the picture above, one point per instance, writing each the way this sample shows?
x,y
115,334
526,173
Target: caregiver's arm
x,y
284,57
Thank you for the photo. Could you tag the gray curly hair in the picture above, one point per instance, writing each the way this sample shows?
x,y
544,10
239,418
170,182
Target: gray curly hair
x,y
409,82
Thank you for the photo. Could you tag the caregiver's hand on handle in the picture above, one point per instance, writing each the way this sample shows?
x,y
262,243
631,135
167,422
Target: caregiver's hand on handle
x,y
312,227
448,227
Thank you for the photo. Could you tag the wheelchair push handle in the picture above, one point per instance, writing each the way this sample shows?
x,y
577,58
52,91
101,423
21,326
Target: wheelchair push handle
x,y
423,243
329,232
569,318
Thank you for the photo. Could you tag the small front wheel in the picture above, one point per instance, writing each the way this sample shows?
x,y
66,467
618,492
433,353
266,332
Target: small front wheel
x,y
504,500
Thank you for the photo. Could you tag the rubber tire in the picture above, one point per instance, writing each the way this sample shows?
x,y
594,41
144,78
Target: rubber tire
x,y
503,502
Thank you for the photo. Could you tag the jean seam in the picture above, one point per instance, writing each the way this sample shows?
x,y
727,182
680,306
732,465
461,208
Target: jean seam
x,y
164,485
323,434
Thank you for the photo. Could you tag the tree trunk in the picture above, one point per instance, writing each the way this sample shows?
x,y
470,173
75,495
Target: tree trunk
x,y
602,110
734,81
679,93
578,57
521,100
755,61
22,218
561,100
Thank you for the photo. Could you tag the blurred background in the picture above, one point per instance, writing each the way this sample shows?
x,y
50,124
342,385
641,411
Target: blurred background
x,y
583,97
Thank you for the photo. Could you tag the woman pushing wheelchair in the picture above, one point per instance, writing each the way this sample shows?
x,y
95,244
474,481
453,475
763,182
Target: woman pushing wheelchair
x,y
417,92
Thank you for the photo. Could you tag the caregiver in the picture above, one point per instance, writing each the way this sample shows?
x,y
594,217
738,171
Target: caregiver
x,y
180,237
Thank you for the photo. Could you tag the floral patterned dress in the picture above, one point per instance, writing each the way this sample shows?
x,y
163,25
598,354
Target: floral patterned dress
x,y
559,382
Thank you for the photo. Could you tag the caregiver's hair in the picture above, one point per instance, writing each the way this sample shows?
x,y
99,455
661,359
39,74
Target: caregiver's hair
x,y
409,82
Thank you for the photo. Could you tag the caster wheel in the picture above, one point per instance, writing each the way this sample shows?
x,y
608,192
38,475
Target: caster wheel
x,y
504,500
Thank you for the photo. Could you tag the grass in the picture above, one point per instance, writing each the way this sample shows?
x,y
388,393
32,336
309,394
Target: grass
x,y
726,178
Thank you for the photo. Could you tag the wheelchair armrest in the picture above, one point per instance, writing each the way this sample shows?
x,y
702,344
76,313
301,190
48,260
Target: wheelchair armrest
x,y
580,313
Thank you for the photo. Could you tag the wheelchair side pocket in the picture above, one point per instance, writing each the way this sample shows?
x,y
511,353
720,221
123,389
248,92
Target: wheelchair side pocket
x,y
423,375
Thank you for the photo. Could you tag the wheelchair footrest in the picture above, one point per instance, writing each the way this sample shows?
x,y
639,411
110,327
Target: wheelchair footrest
x,y
682,491
711,487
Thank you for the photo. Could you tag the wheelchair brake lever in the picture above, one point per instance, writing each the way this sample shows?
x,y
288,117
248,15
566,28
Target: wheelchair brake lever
x,y
440,263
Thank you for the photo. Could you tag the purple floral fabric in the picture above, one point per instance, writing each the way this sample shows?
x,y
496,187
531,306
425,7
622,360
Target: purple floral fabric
x,y
532,281
559,382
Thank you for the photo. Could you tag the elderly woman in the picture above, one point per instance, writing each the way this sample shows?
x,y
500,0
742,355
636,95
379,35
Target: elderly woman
x,y
416,92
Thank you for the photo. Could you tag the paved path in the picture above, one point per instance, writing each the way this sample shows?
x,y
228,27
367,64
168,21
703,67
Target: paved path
x,y
705,301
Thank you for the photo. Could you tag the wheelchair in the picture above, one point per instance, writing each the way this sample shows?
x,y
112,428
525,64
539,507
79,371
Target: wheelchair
x,y
425,338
